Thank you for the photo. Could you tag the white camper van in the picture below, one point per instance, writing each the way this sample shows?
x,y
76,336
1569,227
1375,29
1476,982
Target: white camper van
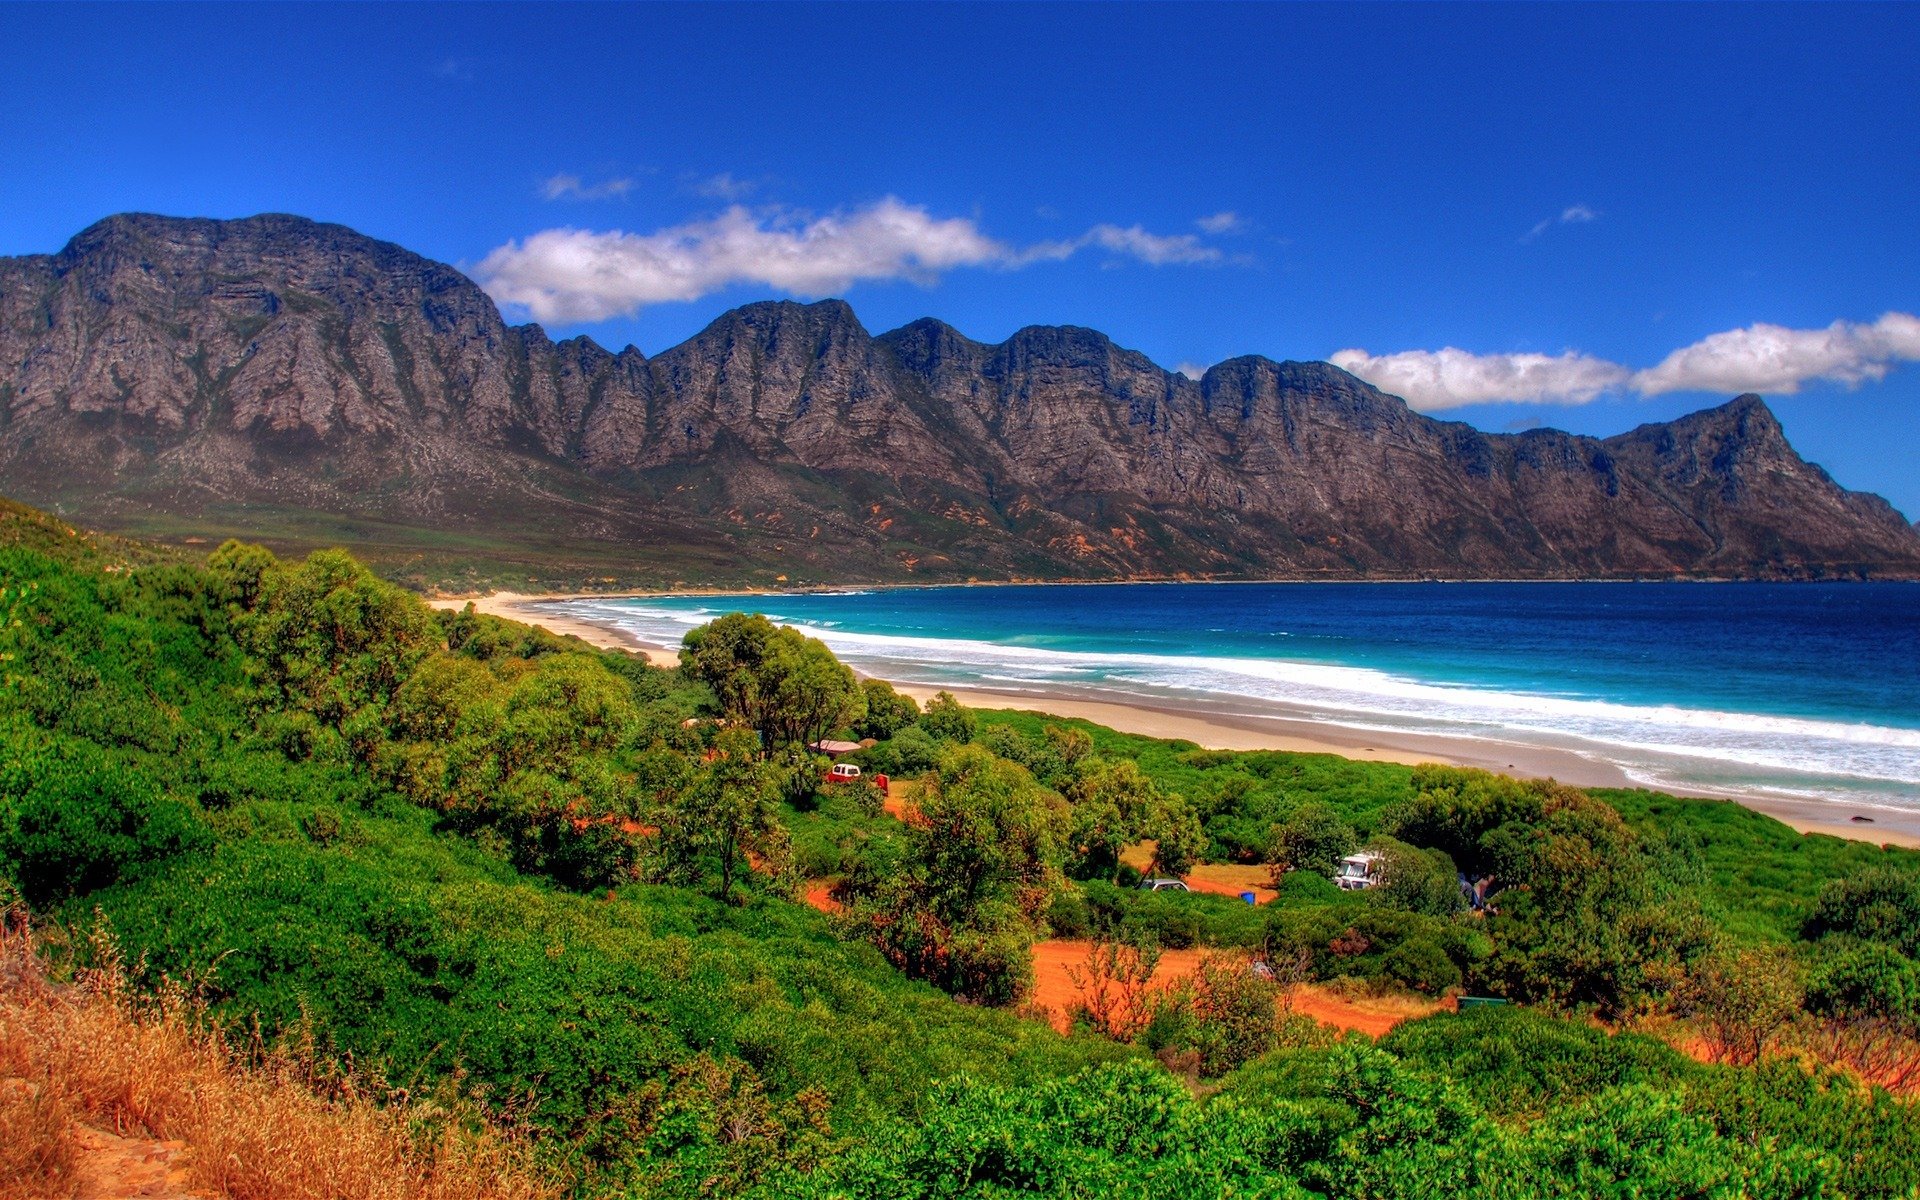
x,y
1358,871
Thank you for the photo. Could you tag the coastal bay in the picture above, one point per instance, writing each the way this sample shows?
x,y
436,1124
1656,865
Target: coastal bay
x,y
1224,722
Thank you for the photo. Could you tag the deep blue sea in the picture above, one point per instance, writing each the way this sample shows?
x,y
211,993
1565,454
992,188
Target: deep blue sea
x,y
1800,690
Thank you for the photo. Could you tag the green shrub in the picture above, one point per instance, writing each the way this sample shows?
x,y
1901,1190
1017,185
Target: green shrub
x,y
73,820
948,720
1312,839
1881,904
888,712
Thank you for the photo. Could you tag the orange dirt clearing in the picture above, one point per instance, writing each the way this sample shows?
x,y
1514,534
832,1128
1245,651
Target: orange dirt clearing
x,y
1230,879
820,895
896,805
1221,879
1054,992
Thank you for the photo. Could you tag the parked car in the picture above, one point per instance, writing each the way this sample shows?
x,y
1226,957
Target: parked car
x,y
1163,885
849,773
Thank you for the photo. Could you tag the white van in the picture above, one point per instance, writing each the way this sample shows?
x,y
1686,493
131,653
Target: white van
x,y
1357,872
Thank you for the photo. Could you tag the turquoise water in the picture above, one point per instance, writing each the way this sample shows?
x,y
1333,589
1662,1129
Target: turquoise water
x,y
1799,690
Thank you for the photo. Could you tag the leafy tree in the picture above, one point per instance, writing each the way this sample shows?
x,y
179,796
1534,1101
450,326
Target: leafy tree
x,y
1071,746
1225,1013
784,685
1178,839
981,866
796,773
949,720
1098,835
1114,802
1312,839
908,752
1743,1000
726,812
1582,916
1422,881
329,639
888,711
1453,809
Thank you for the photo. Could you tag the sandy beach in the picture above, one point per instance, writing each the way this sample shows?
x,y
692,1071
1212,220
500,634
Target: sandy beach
x,y
1216,729
537,610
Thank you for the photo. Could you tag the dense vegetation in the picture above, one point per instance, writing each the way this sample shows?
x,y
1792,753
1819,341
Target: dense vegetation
x,y
469,854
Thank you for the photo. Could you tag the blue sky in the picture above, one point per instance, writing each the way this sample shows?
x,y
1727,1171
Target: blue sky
x,y
1611,214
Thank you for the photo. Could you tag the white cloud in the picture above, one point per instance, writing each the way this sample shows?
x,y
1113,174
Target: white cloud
x,y
723,186
564,275
1431,380
1222,222
1191,370
1759,358
572,187
1772,358
1572,214
1151,248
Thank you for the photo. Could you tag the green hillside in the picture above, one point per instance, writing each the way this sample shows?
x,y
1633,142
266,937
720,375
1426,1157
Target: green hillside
x,y
465,854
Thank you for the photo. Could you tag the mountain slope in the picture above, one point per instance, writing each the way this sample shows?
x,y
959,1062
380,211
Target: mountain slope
x,y
286,379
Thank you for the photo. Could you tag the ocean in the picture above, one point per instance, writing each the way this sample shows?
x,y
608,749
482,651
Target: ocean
x,y
1800,691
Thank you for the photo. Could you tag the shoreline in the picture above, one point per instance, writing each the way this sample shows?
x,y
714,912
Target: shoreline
x,y
808,589
1215,729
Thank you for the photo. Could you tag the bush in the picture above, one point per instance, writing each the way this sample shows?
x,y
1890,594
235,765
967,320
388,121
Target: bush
x,y
1881,904
948,720
1225,1014
1522,1061
888,712
73,820
1421,965
1177,920
1313,839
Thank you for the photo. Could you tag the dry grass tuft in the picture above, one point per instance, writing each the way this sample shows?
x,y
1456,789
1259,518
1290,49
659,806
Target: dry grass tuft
x,y
259,1123
38,1157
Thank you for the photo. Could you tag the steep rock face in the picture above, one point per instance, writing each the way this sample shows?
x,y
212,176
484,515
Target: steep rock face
x,y
274,365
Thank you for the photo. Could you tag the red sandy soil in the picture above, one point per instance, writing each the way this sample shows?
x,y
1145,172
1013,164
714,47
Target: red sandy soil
x,y
1054,991
820,896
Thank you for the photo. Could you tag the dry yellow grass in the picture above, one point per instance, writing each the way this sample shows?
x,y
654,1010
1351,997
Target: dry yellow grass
x,y
256,1125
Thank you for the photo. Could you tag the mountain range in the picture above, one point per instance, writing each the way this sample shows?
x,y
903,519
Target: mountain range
x,y
299,383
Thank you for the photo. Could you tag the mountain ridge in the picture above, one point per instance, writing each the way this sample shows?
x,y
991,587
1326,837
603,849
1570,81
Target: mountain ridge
x,y
282,378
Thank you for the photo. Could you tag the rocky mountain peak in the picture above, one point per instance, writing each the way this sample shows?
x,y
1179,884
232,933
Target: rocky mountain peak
x,y
277,365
